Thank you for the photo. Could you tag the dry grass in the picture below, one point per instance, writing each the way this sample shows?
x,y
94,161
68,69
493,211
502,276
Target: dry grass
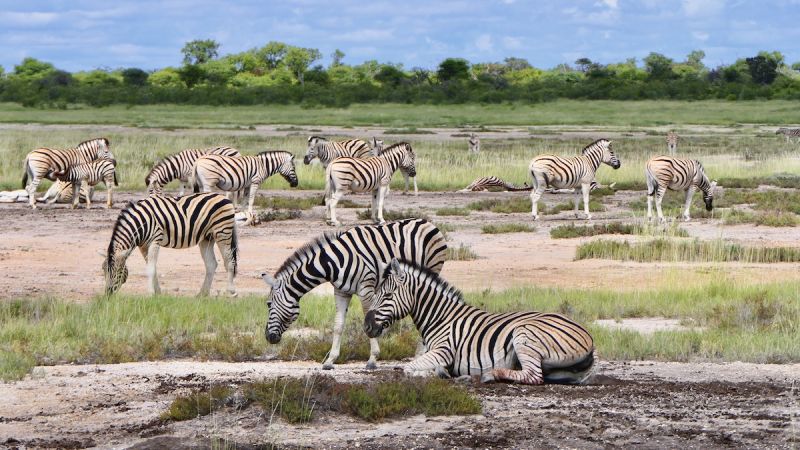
x,y
666,249
508,228
461,253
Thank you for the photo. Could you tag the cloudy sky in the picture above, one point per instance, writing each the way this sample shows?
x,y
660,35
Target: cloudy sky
x,y
88,34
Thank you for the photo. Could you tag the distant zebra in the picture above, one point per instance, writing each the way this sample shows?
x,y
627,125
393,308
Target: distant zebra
x,y
377,149
43,161
155,222
233,174
672,142
95,172
179,167
789,133
364,175
665,172
564,173
462,340
349,261
474,143
61,192
327,151
494,183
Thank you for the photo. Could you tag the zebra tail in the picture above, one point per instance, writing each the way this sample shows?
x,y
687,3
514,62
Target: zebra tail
x,y
235,250
195,181
115,179
578,373
25,178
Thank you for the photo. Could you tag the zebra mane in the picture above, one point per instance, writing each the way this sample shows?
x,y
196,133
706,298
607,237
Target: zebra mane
x,y
86,142
300,254
439,283
265,152
585,149
393,146
310,138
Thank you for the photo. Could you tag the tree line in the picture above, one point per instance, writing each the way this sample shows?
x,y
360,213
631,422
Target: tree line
x,y
279,73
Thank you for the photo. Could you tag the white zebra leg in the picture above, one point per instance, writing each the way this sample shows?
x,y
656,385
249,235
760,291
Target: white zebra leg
x,y
151,256
76,194
230,266
659,197
688,203
373,212
529,356
649,206
536,194
332,208
109,193
381,197
31,188
430,363
577,202
416,192
252,197
88,199
342,303
207,252
374,348
586,188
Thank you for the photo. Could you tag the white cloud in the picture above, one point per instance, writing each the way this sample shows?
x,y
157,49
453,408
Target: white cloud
x,y
700,35
702,8
484,43
27,19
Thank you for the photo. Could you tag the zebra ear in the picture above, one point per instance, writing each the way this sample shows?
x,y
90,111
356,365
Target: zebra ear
x,y
271,281
395,266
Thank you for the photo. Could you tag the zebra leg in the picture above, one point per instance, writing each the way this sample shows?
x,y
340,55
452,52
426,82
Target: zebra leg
x,y
659,197
405,190
374,348
536,194
416,192
150,255
430,363
530,358
342,303
207,252
332,201
577,203
109,192
76,194
32,186
230,264
688,203
586,188
381,197
252,197
374,208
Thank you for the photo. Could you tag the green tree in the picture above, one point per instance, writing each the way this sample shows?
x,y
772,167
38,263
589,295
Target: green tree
x,y
583,64
273,53
298,60
134,77
513,63
796,66
658,66
336,58
191,74
390,75
31,68
167,77
763,70
200,51
695,60
453,69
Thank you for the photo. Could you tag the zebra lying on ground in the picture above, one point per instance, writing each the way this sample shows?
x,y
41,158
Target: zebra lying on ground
x,y
666,172
233,174
179,167
789,133
93,173
493,183
364,175
61,192
43,161
348,260
565,173
327,151
462,340
377,149
155,222
672,142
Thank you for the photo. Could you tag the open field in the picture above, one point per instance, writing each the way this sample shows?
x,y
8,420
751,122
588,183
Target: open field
x,y
672,333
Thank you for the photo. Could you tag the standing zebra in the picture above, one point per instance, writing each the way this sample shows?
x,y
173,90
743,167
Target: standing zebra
x,y
100,170
43,161
377,149
198,219
348,260
234,174
462,340
789,133
179,167
474,143
560,173
666,172
327,151
672,142
364,175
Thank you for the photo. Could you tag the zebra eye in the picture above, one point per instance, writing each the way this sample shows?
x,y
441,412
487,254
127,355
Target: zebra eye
x,y
269,304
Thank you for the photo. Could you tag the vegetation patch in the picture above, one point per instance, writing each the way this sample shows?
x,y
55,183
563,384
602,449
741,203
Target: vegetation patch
x,y
574,231
283,202
508,228
279,214
461,253
507,206
197,404
768,219
453,211
410,130
685,250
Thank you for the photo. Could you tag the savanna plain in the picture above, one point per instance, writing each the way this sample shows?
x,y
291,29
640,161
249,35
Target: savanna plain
x,y
696,324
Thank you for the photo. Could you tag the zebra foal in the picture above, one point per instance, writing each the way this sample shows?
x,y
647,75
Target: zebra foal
x,y
179,167
92,173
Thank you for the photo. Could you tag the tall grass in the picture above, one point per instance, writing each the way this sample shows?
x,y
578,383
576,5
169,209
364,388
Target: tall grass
x,y
674,250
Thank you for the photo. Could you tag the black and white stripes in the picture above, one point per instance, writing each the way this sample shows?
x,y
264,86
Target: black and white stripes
x,y
179,167
666,172
92,173
326,151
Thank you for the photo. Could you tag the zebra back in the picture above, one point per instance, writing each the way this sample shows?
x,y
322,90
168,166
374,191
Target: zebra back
x,y
179,166
678,174
236,173
92,172
327,151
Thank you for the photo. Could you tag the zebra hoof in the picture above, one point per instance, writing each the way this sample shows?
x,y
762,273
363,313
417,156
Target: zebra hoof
x,y
488,377
332,223
536,217
327,366
371,365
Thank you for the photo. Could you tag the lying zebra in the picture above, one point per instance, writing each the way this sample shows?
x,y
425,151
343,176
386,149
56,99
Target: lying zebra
x,y
522,347
92,173
61,192
485,184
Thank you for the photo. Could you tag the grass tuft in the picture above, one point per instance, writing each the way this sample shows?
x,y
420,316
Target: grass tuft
x,y
283,202
390,215
508,228
461,253
452,211
682,250
197,404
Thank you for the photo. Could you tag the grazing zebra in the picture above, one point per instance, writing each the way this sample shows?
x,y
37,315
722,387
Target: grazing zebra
x,y
462,340
348,260
672,142
491,183
666,172
234,174
327,151
789,133
42,161
61,192
93,173
364,175
377,149
179,167
565,173
474,143
197,219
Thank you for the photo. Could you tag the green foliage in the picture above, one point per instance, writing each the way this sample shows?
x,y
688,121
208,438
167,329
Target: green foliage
x,y
389,214
134,77
200,51
32,68
197,404
508,228
762,69
683,250
283,202
453,69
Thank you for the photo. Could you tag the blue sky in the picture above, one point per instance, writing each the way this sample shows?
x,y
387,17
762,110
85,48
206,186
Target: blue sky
x,y
88,34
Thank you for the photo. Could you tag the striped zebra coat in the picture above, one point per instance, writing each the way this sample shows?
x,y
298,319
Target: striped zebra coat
x,y
235,174
377,150
672,143
349,261
155,222
61,192
179,167
92,173
483,184
565,173
366,175
43,161
666,172
789,133
326,151
462,340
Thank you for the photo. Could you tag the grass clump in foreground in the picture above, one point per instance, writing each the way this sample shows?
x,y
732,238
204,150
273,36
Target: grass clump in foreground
x,y
685,250
461,253
508,228
197,404
452,211
767,219
575,231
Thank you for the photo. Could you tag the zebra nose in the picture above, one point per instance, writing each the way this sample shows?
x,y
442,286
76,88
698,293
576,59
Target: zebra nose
x,y
273,338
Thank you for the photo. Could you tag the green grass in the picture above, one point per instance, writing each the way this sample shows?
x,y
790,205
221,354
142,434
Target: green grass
x,y
390,214
197,403
452,211
574,231
769,219
461,253
508,228
411,130
665,249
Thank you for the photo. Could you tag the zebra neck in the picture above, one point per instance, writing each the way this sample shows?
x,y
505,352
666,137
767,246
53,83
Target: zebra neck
x,y
594,156
434,303
310,273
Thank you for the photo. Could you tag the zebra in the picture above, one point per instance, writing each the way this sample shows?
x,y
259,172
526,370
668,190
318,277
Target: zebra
x,y
474,143
327,151
234,174
377,149
488,183
363,175
666,172
100,170
158,221
672,142
560,173
61,192
179,167
525,347
789,133
348,260
43,161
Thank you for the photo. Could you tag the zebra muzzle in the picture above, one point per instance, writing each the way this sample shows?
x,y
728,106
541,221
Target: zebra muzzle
x,y
371,326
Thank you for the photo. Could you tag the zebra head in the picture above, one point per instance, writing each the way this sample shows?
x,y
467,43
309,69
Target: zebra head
x,y
609,157
100,146
115,271
377,145
311,150
392,301
287,170
708,195
284,308
407,164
